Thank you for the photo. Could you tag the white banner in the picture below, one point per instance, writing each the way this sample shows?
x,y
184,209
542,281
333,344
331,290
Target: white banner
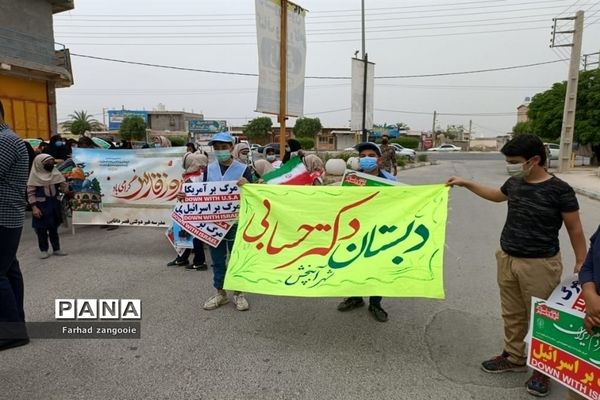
x,y
125,187
358,77
209,210
268,18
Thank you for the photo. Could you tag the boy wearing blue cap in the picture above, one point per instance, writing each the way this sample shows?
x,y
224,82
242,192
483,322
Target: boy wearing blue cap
x,y
225,168
370,162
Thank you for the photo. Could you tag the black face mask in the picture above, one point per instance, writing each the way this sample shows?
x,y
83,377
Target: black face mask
x,y
49,167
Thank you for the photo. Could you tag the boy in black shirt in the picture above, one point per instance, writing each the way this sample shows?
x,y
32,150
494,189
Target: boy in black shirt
x,y
529,262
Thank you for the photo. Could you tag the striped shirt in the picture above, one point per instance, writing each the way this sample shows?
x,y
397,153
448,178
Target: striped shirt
x,y
14,171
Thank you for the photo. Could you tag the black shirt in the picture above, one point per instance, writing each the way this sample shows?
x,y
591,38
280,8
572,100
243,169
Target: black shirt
x,y
534,216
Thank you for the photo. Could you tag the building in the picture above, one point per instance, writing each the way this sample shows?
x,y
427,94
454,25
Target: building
x,y
522,111
32,65
177,121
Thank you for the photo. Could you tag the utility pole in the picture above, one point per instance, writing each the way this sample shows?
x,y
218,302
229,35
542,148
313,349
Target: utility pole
x,y
587,63
433,135
568,123
365,136
283,78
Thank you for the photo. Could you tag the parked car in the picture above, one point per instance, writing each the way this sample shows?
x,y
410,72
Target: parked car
x,y
255,147
274,146
554,150
445,147
403,151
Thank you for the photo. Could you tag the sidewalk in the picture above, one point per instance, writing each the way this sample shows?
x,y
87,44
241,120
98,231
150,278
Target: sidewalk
x,y
585,181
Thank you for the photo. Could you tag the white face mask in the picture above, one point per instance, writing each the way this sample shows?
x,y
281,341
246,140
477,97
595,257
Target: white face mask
x,y
244,157
517,171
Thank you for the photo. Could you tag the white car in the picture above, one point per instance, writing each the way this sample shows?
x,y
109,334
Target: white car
x,y
445,147
554,150
403,151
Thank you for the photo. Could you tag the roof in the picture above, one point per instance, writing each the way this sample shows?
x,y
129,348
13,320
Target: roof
x,y
59,6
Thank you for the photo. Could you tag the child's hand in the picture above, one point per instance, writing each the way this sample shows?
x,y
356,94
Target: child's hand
x,y
36,212
181,196
455,181
242,182
592,309
588,325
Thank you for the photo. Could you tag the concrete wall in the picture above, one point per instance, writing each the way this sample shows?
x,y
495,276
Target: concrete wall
x,y
26,30
164,122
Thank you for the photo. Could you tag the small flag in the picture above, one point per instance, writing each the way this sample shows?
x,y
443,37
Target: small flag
x,y
293,172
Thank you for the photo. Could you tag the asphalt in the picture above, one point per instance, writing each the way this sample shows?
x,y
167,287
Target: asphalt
x,y
282,348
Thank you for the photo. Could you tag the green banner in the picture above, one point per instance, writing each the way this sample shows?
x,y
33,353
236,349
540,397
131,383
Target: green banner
x,y
340,241
564,329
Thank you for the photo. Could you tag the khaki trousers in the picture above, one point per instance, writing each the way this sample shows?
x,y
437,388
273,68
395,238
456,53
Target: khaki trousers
x,y
519,280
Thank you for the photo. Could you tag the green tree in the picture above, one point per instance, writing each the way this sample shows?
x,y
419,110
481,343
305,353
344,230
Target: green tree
x,y
454,131
133,127
307,127
259,128
81,122
546,111
96,186
401,126
522,127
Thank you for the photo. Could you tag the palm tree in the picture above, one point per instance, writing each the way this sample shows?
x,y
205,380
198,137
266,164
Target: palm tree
x,y
81,122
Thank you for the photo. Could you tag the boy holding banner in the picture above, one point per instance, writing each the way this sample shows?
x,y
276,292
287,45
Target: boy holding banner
x,y
370,162
529,261
225,168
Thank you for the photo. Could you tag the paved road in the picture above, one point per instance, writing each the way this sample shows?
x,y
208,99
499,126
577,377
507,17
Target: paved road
x,y
283,348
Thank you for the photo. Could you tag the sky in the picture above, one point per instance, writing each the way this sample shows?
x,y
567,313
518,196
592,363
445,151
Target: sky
x,y
403,38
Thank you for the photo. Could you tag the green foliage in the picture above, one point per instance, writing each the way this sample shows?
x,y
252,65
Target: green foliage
x,y
454,131
408,142
133,127
307,127
546,110
401,161
306,143
258,128
346,155
422,157
177,141
96,186
522,127
81,122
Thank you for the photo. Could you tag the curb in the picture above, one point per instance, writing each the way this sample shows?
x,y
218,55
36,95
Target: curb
x,y
587,193
417,165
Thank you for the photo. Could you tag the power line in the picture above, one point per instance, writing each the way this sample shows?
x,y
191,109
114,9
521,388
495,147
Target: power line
x,y
504,114
146,43
340,14
173,35
316,77
311,12
310,22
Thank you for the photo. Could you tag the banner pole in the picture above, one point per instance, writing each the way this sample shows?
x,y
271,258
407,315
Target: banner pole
x,y
282,78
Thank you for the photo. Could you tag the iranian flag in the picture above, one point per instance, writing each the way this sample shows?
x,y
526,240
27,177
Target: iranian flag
x,y
293,172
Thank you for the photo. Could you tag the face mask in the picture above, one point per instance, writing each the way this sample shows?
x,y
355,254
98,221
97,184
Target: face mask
x,y
49,167
367,164
156,144
271,158
59,143
244,157
222,155
517,171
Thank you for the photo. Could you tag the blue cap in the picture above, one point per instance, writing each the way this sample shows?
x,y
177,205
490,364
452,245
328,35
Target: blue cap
x,y
222,137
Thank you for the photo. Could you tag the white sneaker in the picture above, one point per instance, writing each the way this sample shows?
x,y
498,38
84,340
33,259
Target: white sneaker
x,y
59,253
216,301
241,304
44,255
